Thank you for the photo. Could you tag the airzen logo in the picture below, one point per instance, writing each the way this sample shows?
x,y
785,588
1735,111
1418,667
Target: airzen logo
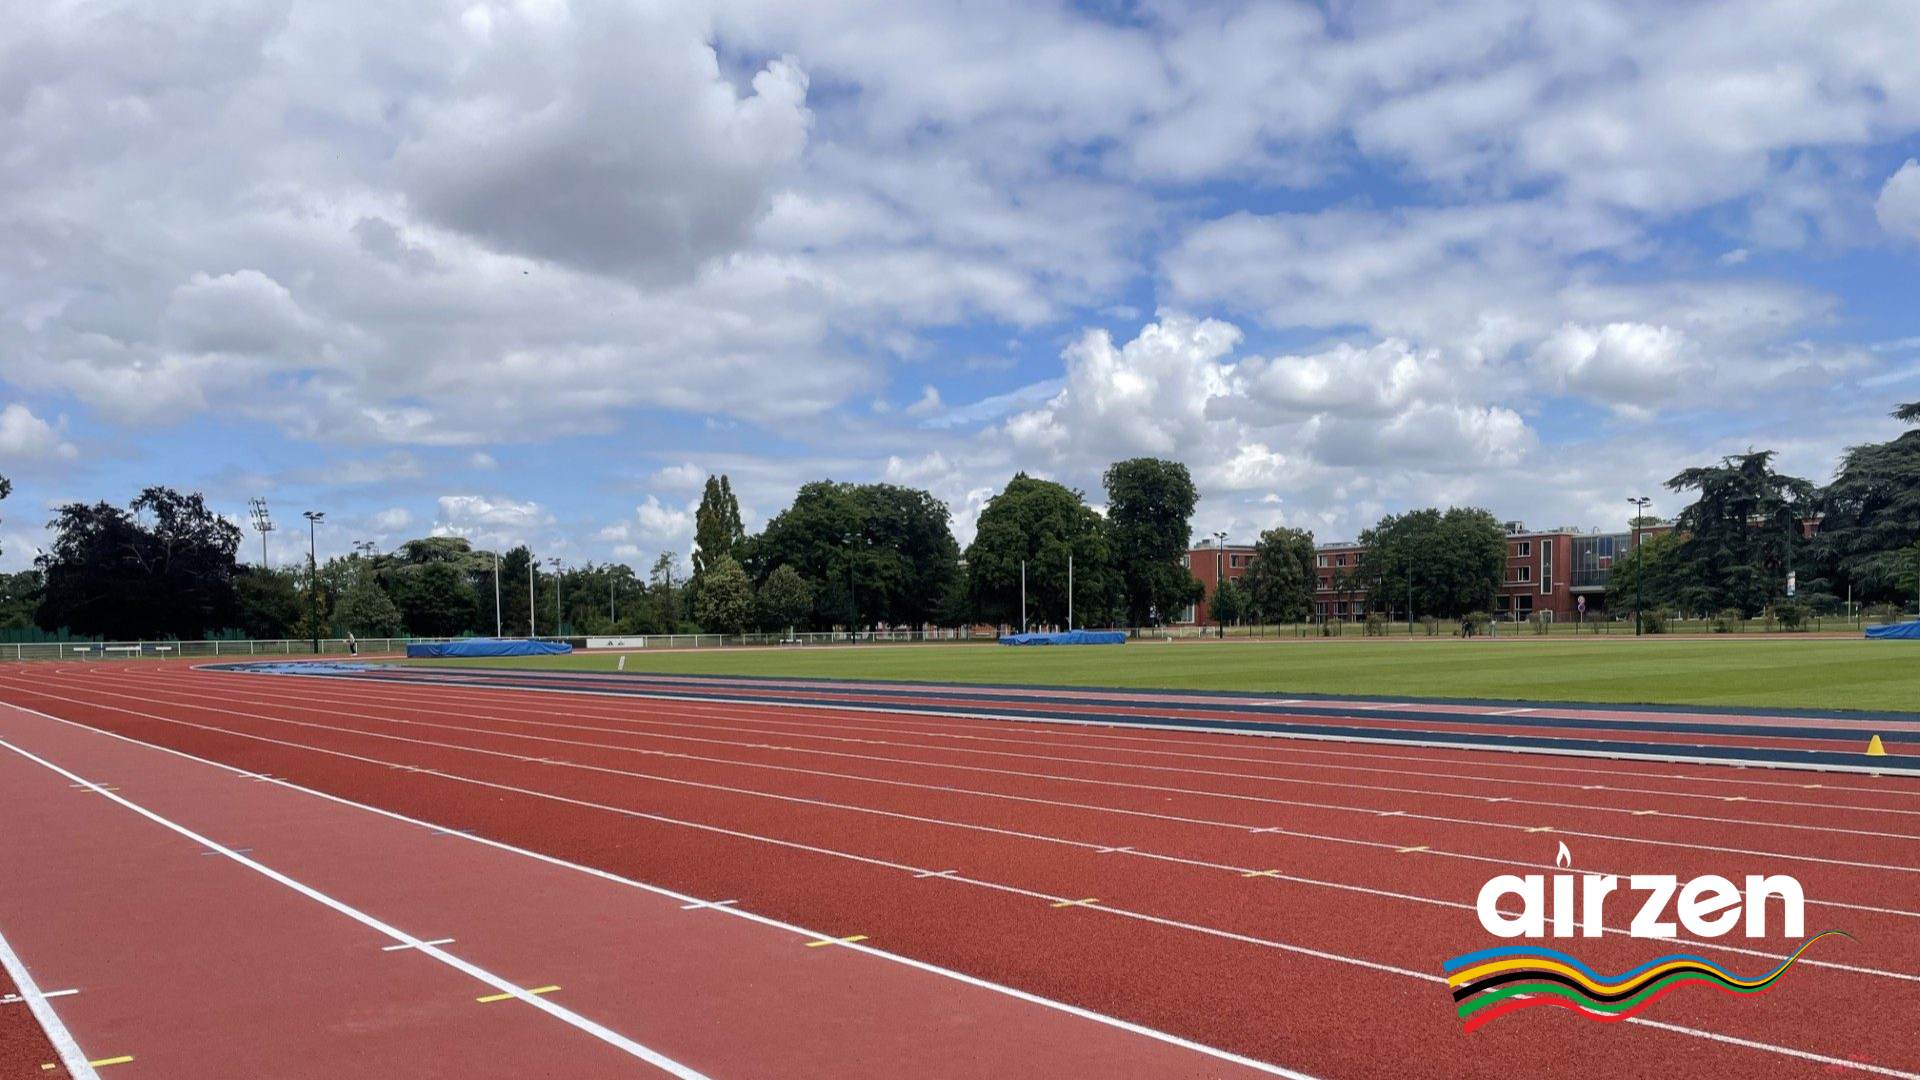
x,y
1490,983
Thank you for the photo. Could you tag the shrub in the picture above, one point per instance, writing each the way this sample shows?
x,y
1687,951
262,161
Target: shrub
x,y
1432,624
1728,620
1539,623
1653,622
1376,624
1478,621
1792,617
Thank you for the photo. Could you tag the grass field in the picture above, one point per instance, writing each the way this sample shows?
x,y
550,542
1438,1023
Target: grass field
x,y
1777,671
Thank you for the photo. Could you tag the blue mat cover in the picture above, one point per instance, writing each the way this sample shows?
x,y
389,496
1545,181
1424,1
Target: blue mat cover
x,y
490,647
1068,637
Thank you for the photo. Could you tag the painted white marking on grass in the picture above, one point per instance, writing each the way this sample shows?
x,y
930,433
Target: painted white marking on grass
x,y
50,1022
474,971
764,920
406,945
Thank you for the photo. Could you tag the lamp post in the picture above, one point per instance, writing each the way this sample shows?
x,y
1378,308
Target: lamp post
x,y
1640,503
498,630
559,620
313,575
853,596
532,622
1219,579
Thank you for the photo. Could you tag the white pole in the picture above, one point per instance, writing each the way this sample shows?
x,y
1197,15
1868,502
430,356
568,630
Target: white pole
x,y
1023,596
1069,591
496,595
531,632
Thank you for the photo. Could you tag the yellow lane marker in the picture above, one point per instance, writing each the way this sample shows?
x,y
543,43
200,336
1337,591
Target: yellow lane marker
x,y
100,1064
1543,828
1644,813
1404,850
1077,903
491,998
1736,798
836,941
1261,873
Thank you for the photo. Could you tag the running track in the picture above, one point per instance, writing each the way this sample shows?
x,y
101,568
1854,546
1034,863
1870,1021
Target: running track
x,y
1097,891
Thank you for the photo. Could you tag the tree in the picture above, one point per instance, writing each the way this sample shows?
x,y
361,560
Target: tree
x,y
1450,561
784,599
1041,523
668,600
1870,517
162,568
1736,532
1650,575
1910,412
19,595
365,610
1230,603
716,526
872,553
6,489
725,601
1280,583
435,599
269,602
1149,509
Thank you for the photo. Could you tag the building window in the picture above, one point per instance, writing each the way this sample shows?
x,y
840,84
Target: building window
x,y
1546,568
1523,549
1322,561
1525,602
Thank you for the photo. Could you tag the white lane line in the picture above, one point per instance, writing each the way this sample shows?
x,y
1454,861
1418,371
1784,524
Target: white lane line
x,y
15,999
50,1022
1506,712
502,698
1121,811
764,920
708,904
474,971
1730,1040
1094,781
404,945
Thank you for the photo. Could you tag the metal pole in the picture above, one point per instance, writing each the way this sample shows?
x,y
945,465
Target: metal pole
x,y
496,595
1023,596
1069,591
532,625
313,576
1640,504
1219,580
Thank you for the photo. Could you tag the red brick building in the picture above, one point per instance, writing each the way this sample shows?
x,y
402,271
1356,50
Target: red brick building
x,y
1551,573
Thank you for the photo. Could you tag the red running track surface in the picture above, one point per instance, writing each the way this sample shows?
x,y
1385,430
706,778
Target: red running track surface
x,y
1291,903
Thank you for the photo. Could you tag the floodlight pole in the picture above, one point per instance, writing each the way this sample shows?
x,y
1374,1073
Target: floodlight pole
x,y
313,574
1219,580
532,623
559,620
1640,504
498,629
1069,590
1023,596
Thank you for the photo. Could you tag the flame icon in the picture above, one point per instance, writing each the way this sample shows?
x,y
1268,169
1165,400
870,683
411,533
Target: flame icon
x,y
1565,858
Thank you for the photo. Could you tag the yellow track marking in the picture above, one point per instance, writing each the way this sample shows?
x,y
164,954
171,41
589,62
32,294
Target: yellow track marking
x,y
1076,903
836,941
491,998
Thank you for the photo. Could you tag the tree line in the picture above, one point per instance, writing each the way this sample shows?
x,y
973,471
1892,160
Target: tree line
x,y
860,556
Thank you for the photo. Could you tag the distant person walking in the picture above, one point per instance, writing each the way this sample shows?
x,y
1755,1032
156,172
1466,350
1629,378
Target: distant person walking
x,y
353,647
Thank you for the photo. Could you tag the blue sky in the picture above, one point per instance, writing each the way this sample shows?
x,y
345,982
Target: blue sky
x,y
527,272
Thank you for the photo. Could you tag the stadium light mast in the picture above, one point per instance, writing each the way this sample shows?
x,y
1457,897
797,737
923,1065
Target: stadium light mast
x,y
313,573
559,620
498,630
532,622
1219,578
262,524
1640,503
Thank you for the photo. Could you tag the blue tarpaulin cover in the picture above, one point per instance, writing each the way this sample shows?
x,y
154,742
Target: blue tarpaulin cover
x,y
1069,637
1896,630
490,647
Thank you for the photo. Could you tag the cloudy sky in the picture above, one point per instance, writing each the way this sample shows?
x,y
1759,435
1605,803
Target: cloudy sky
x,y
528,271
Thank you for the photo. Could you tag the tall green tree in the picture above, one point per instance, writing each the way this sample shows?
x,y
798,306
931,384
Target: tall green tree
x,y
725,601
1041,523
716,525
435,599
1451,562
784,600
871,553
1280,583
1149,523
1736,531
1870,516
1652,576
162,568
269,601
1231,603
6,489
666,595
19,596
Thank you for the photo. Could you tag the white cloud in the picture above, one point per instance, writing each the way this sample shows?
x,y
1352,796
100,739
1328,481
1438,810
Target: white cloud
x,y
1629,366
463,515
1898,207
928,403
392,519
664,526
26,437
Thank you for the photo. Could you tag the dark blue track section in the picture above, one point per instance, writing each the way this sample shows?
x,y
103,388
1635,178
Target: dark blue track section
x,y
1045,706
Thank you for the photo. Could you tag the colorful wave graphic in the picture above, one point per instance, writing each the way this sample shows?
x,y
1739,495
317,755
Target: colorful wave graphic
x,y
1492,983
